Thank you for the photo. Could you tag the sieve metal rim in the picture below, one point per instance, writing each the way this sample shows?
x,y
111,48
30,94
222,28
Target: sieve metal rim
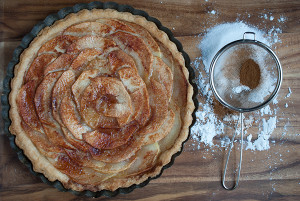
x,y
239,42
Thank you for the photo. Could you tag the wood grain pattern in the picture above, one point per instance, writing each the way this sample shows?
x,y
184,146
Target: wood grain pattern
x,y
272,174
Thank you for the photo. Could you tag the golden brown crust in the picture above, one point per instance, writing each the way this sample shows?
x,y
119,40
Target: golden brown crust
x,y
42,164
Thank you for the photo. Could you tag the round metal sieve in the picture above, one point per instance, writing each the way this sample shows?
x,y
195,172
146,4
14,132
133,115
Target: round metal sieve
x,y
226,84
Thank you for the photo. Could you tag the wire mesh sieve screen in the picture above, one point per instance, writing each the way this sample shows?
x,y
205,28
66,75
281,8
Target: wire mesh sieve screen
x,y
245,76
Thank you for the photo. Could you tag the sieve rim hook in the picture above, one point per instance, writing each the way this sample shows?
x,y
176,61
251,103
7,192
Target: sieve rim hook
x,y
248,32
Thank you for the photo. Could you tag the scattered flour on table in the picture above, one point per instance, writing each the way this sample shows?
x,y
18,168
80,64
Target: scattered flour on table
x,y
289,94
212,12
209,125
262,142
275,101
241,88
282,19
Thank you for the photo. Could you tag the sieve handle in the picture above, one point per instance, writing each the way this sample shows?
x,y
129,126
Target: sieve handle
x,y
241,155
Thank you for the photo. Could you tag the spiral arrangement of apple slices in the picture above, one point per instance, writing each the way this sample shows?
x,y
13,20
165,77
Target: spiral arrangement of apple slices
x,y
96,101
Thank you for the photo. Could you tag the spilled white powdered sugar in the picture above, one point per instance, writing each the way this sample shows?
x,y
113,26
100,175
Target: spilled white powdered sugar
x,y
208,124
289,94
282,19
240,88
262,142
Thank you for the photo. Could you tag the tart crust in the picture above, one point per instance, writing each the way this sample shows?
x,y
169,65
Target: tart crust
x,y
40,162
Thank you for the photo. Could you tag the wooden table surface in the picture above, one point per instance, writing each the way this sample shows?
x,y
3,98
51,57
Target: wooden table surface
x,y
270,174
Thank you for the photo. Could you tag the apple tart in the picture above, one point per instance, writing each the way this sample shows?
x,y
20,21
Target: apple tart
x,y
100,100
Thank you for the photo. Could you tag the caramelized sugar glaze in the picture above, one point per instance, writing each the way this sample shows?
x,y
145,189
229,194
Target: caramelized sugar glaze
x,y
103,101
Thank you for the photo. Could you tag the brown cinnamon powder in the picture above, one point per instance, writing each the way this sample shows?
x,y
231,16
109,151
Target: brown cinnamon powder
x,y
250,74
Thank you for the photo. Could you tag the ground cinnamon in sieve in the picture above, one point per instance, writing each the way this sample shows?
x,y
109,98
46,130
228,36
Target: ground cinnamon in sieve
x,y
250,74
